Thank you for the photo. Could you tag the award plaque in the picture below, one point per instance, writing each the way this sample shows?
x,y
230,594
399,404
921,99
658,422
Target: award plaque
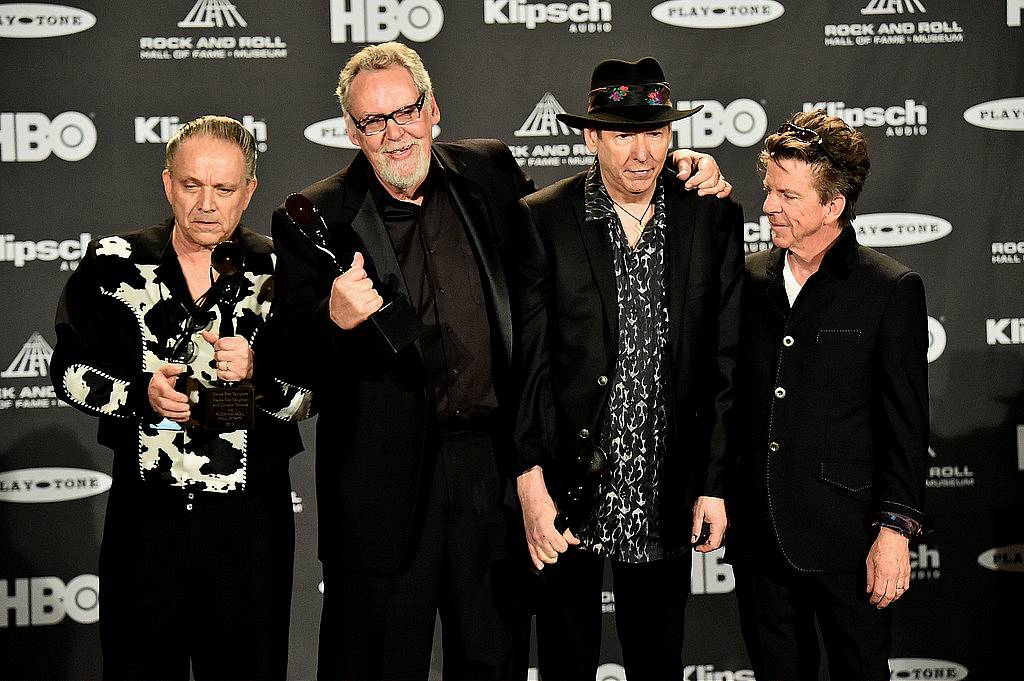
x,y
223,405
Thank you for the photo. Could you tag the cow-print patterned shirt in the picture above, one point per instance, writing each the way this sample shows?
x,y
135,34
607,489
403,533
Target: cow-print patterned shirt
x,y
624,524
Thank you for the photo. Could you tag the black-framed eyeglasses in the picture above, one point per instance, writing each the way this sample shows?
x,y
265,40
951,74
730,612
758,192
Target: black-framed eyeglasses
x,y
378,123
808,136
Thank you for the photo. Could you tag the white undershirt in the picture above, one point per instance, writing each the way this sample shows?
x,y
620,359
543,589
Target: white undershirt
x,y
792,287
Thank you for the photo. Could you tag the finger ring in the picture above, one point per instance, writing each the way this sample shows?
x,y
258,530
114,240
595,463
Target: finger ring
x,y
227,365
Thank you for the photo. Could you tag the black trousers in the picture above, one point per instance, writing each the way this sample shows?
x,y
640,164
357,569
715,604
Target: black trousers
x,y
208,588
461,567
649,602
779,608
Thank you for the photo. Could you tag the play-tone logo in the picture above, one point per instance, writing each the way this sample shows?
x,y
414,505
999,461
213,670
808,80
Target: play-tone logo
x,y
717,13
1008,558
936,339
46,485
38,20
881,230
32,136
331,133
999,114
379,21
41,601
912,668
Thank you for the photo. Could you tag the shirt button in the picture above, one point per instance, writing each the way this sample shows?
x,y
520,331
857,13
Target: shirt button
x,y
430,251
788,341
602,380
188,507
584,433
449,329
780,392
458,412
455,372
441,290
191,496
773,446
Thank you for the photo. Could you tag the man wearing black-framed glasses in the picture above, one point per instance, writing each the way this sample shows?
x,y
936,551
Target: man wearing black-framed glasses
x,y
834,396
414,467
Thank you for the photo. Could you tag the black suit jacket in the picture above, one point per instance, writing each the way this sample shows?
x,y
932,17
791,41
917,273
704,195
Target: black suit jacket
x,y
835,400
566,357
372,402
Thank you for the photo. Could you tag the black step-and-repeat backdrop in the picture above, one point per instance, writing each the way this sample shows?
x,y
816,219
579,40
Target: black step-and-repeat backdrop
x,y
93,90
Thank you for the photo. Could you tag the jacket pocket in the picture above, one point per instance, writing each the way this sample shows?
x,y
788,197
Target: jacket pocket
x,y
837,335
851,476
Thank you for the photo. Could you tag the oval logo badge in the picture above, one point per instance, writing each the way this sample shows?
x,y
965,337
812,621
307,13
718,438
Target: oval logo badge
x,y
999,114
38,20
925,668
880,230
330,133
716,13
1008,558
936,339
45,485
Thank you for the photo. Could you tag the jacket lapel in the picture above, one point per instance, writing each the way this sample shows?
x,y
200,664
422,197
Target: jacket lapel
x,y
594,234
480,229
775,291
679,232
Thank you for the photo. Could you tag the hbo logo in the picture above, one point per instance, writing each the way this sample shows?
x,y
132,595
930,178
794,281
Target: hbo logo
x,y
743,123
378,21
33,136
38,601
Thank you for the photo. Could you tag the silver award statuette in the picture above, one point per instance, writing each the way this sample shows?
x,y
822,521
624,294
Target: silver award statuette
x,y
395,321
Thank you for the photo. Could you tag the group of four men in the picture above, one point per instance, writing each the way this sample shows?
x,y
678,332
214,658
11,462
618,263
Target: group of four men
x,y
596,349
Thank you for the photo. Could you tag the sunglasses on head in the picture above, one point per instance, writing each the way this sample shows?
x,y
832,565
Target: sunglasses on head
x,y
808,136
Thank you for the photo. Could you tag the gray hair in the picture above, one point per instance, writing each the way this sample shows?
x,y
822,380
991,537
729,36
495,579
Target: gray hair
x,y
379,57
219,127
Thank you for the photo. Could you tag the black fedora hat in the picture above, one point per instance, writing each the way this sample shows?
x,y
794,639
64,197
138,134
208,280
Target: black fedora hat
x,y
626,95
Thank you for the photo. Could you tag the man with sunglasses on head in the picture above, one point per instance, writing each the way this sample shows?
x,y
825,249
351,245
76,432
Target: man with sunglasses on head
x,y
629,305
834,388
416,511
196,558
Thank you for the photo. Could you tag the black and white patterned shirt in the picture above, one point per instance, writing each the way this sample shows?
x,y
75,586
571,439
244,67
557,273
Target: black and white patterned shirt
x,y
624,524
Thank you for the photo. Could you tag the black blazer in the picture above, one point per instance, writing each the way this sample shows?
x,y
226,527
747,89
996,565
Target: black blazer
x,y
835,400
373,402
568,315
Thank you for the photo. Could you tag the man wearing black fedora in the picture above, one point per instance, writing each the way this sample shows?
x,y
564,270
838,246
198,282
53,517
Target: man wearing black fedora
x,y
629,305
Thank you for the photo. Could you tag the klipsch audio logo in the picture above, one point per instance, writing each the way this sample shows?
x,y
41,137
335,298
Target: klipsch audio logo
x,y
999,114
908,23
40,601
921,668
68,251
39,20
543,122
1005,331
213,44
925,563
160,129
593,16
32,136
379,21
46,485
717,13
900,120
